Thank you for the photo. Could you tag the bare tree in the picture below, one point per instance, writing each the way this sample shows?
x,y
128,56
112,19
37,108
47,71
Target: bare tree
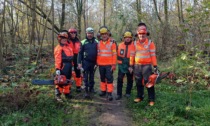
x,y
2,15
53,16
31,39
138,9
79,8
62,14
104,12
156,11
166,11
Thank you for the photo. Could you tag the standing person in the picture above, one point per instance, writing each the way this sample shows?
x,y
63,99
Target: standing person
x,y
145,58
125,50
106,60
87,60
75,45
63,55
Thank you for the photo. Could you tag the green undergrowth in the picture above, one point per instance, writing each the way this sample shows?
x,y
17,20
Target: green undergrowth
x,y
172,107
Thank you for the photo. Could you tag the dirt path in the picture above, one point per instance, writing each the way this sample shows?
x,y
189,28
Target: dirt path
x,y
111,113
107,113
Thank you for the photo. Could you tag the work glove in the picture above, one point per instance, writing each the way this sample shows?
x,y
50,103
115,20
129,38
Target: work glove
x,y
58,72
79,66
130,69
113,68
155,69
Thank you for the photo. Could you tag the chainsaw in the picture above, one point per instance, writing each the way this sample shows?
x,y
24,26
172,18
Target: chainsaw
x,y
58,80
156,78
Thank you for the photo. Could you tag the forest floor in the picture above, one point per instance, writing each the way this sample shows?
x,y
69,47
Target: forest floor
x,y
104,112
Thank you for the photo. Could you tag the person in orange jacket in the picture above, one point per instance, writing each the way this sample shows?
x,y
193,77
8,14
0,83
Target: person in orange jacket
x,y
125,50
145,59
75,44
63,55
106,60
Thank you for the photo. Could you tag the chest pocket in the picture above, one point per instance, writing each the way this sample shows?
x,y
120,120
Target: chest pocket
x,y
122,51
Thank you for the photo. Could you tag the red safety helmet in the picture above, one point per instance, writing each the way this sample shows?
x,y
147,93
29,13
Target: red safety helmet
x,y
72,30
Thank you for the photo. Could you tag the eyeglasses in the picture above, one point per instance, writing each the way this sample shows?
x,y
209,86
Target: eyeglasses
x,y
62,37
142,33
72,32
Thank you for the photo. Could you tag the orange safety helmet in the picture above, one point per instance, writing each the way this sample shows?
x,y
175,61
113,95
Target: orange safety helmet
x,y
153,79
62,34
60,80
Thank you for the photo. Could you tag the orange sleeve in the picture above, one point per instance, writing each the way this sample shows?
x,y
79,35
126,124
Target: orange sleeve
x,y
132,55
153,54
114,53
58,57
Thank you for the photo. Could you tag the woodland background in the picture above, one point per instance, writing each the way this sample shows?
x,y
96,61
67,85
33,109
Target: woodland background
x,y
174,25
180,30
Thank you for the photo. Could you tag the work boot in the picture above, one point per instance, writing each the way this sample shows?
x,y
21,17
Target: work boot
x,y
58,98
68,96
137,100
110,98
92,90
78,89
127,95
118,97
151,103
102,93
87,96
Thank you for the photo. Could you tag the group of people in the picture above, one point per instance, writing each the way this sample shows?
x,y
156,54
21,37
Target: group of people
x,y
135,59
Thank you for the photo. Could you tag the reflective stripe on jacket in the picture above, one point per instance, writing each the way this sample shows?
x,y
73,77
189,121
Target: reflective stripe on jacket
x,y
106,53
145,53
62,54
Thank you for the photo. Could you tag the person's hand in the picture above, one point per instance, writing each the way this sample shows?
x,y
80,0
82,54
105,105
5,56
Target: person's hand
x,y
155,69
130,69
113,68
58,72
79,66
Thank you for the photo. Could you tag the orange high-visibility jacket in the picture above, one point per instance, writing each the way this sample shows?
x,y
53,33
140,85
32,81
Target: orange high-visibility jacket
x,y
106,53
145,53
75,46
62,54
125,51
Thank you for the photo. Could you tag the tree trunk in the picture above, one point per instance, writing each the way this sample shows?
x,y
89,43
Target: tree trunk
x,y
104,12
40,47
156,11
79,5
166,11
85,15
2,15
179,12
53,16
32,29
62,15
138,9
